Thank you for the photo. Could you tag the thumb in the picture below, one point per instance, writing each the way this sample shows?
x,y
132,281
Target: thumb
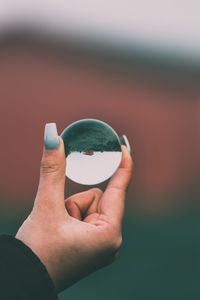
x,y
52,170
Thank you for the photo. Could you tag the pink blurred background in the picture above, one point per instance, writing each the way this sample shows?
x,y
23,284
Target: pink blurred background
x,y
159,113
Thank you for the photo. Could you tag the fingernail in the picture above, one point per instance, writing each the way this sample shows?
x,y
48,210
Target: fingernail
x,y
124,141
51,139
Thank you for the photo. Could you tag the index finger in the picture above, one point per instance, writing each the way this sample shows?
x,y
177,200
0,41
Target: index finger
x,y
112,201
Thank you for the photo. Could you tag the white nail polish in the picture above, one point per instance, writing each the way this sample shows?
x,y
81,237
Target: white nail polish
x,y
124,141
51,139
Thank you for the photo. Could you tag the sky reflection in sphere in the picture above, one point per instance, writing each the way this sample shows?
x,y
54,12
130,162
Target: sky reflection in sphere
x,y
93,151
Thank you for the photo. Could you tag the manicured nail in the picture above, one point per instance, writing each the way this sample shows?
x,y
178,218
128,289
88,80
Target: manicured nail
x,y
51,139
124,141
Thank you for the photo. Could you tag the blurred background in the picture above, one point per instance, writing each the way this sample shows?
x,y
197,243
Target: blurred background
x,y
136,66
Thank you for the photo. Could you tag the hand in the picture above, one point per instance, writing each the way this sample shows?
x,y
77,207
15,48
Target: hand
x,y
76,236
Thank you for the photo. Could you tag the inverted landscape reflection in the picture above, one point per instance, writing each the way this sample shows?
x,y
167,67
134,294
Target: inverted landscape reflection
x,y
91,169
93,151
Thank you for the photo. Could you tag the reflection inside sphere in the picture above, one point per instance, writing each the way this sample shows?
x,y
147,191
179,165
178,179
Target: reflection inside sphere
x,y
93,151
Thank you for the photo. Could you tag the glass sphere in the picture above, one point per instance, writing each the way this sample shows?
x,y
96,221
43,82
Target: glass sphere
x,y
92,150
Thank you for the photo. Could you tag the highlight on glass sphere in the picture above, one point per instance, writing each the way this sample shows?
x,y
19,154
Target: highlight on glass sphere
x,y
93,151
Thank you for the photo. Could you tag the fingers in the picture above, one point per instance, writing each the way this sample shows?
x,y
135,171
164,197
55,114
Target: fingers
x,y
83,204
52,171
112,201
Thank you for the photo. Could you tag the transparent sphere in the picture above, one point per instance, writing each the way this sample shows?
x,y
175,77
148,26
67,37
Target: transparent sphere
x,y
92,150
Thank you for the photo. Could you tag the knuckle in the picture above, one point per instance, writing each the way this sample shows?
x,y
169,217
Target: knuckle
x,y
48,167
69,201
97,191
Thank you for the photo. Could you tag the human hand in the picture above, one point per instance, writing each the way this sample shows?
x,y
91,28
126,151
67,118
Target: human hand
x,y
76,236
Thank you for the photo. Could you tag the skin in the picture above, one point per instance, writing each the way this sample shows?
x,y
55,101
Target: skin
x,y
76,236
